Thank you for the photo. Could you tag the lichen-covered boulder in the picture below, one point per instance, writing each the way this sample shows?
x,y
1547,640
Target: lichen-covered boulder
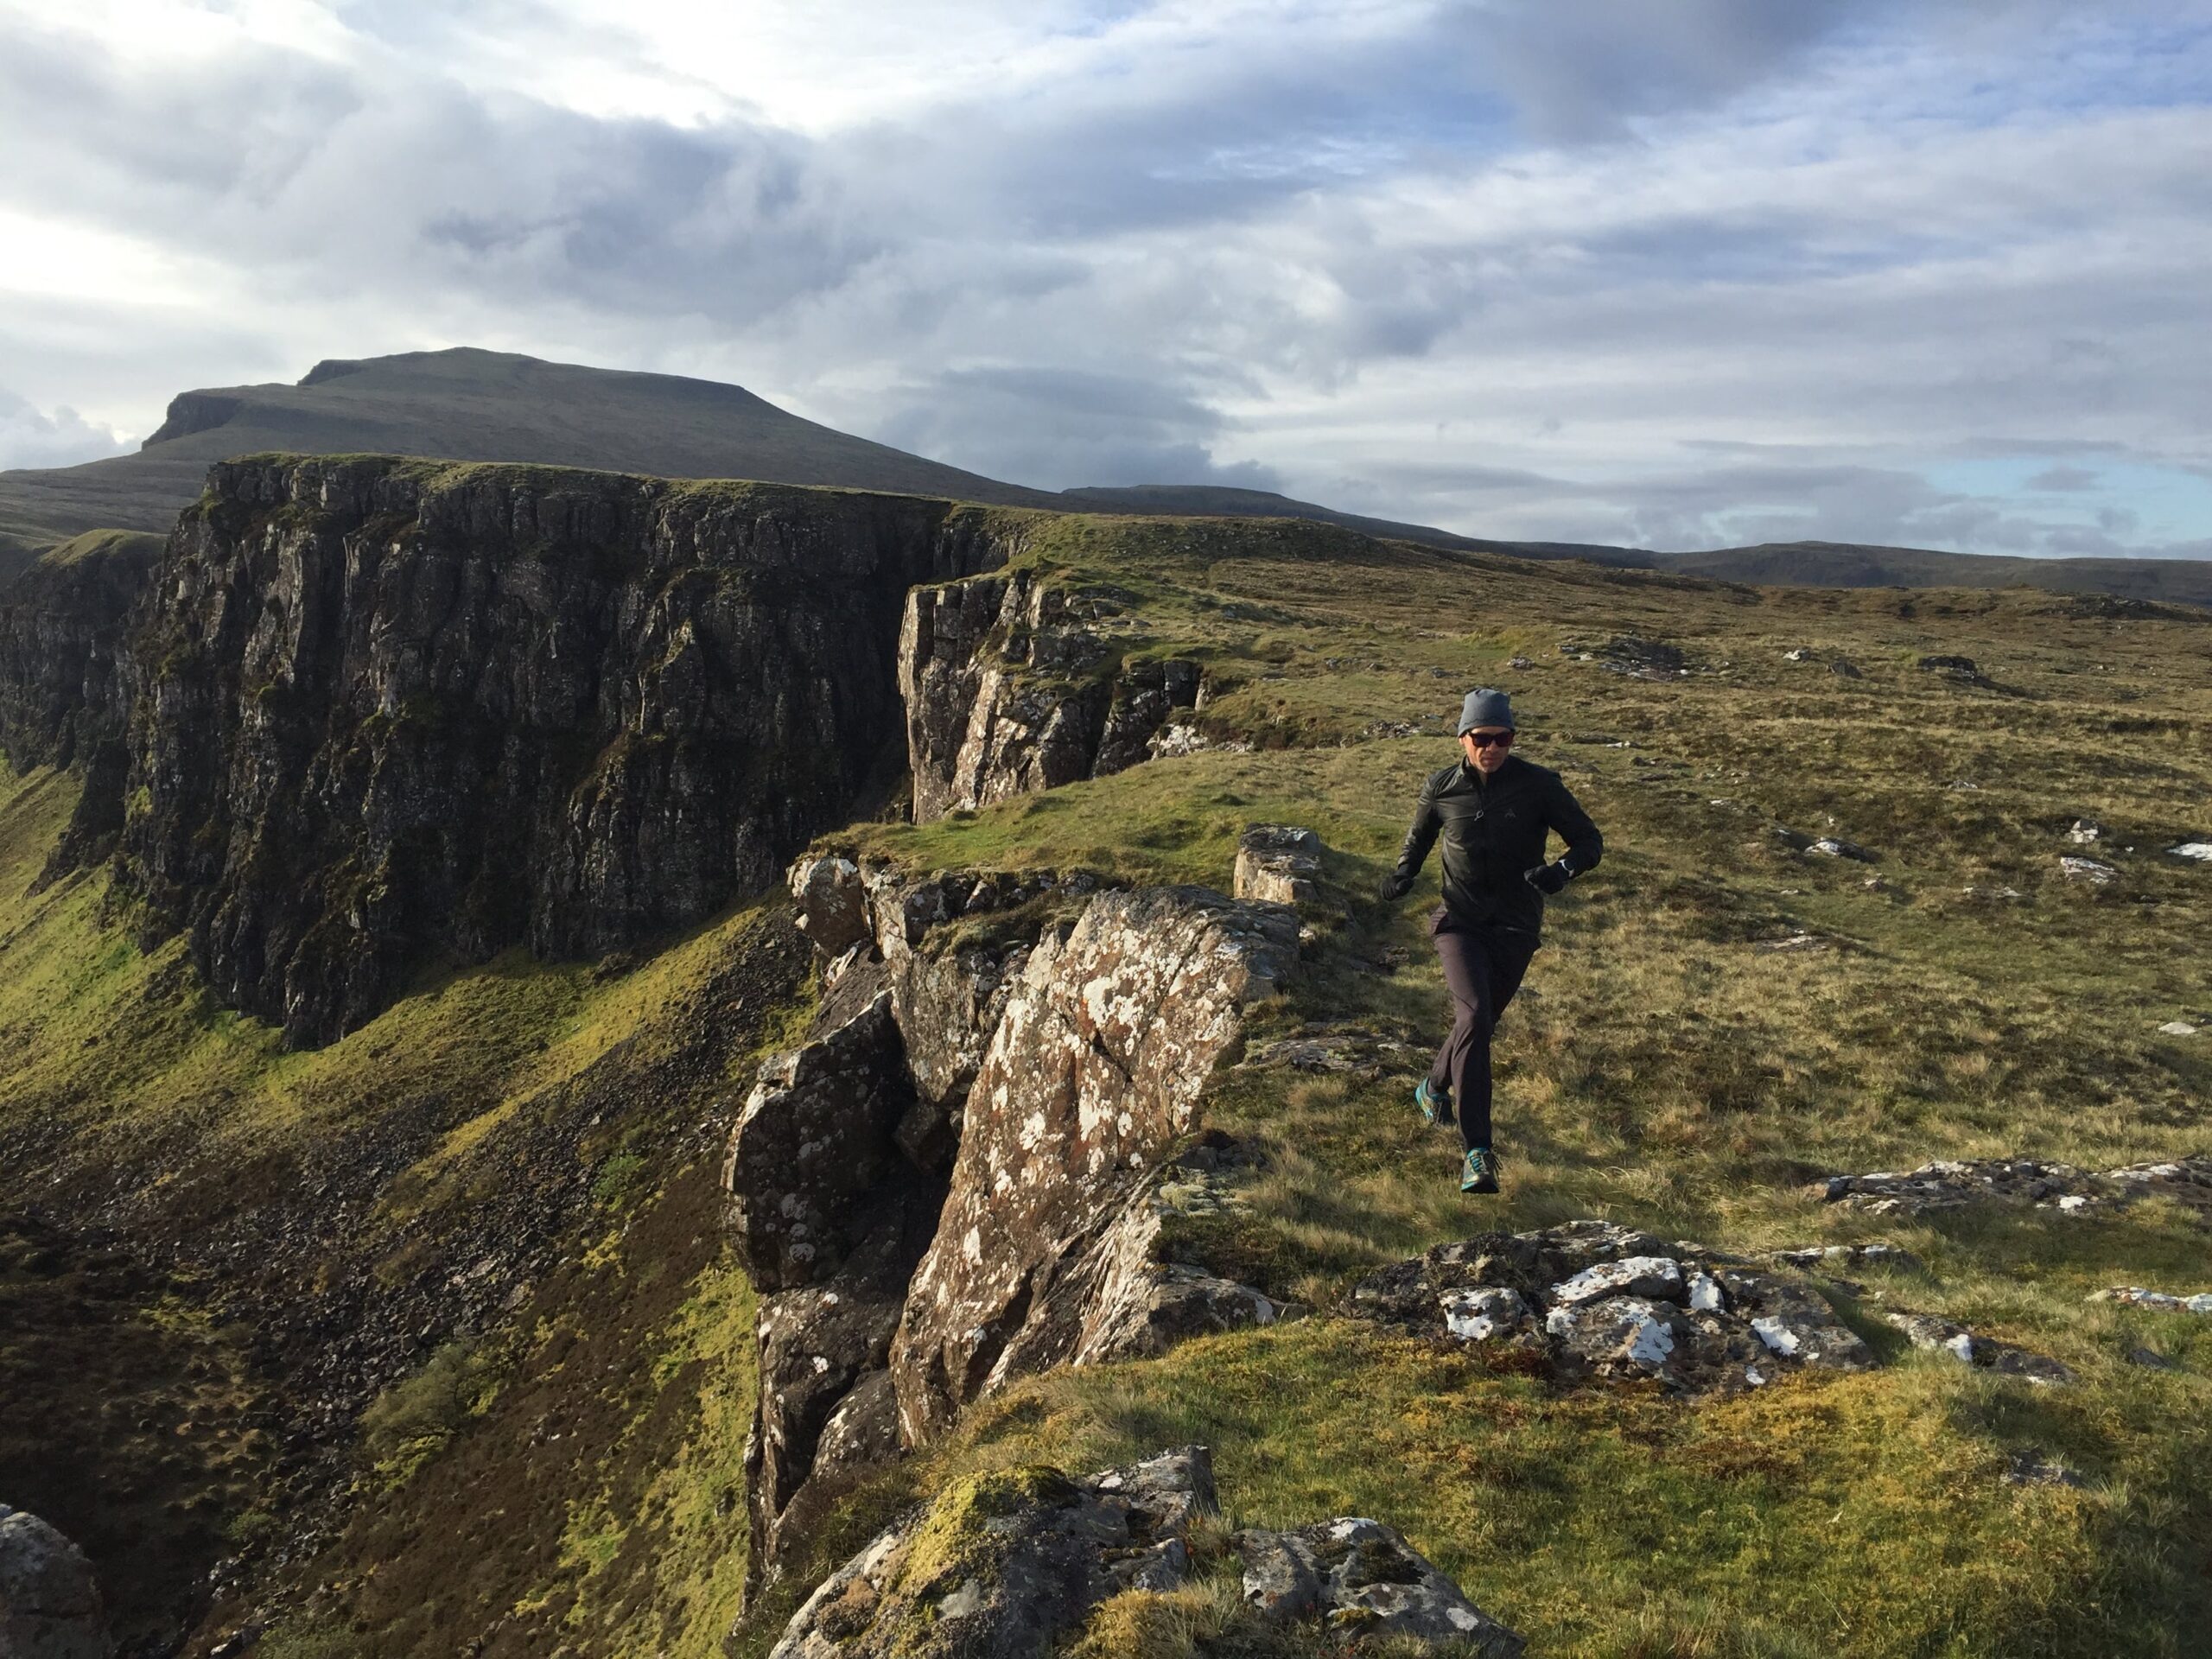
x,y
1092,1075
1000,1564
1360,1577
1595,1299
50,1604
1278,864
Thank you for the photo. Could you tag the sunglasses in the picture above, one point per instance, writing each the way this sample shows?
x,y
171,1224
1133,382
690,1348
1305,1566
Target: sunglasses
x,y
1491,740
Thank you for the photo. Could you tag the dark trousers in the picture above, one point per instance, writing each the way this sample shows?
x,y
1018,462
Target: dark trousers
x,y
1484,967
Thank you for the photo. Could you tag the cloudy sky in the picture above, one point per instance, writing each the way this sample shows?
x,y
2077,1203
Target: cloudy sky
x,y
1681,273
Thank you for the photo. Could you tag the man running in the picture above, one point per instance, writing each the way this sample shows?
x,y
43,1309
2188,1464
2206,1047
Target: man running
x,y
1494,811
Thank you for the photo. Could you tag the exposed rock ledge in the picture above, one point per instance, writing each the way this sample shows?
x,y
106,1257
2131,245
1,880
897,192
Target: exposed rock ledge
x,y
1012,686
951,1184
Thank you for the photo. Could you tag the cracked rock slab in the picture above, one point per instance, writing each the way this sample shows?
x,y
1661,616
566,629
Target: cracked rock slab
x,y
1092,1076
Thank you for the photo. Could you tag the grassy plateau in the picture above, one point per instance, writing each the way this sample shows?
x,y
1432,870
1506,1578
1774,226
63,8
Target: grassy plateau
x,y
1716,1018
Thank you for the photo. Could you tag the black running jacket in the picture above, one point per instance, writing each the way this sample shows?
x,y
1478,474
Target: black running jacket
x,y
1494,833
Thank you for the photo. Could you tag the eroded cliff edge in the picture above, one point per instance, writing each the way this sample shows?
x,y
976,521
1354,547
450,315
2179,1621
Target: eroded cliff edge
x,y
380,709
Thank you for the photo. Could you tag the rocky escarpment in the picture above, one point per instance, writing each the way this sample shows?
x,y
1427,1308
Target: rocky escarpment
x,y
381,710
949,1184
1015,684
62,699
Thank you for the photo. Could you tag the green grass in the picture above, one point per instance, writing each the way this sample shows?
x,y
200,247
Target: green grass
x,y
1663,1067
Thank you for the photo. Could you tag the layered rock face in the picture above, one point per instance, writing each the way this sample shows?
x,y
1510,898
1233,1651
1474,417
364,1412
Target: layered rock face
x,y
1011,686
949,1184
62,695
61,630
380,709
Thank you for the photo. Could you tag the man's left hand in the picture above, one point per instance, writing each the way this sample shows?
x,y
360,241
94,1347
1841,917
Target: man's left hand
x,y
1546,878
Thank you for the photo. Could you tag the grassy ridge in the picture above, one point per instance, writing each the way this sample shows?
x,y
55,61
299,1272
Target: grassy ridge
x,y
1668,1067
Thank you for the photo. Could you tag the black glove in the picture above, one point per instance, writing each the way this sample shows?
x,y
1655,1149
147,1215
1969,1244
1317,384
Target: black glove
x,y
1395,886
1546,878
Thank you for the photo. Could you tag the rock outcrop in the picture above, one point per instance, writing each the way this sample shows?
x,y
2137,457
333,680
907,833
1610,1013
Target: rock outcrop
x,y
50,1604
381,708
1359,1577
1278,864
1590,1298
1013,1563
1013,684
1001,1564
1950,1182
1093,1073
1936,1335
1013,1054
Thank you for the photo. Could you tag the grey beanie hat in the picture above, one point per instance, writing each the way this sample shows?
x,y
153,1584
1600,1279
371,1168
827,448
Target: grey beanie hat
x,y
1485,707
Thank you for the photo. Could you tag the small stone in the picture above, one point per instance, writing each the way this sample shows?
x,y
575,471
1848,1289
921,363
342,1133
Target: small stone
x,y
2199,850
2087,869
1833,846
2086,832
2153,1359
2177,1028
2030,1467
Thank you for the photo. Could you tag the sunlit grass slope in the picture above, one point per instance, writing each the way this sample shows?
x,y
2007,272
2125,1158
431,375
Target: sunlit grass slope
x,y
1669,1067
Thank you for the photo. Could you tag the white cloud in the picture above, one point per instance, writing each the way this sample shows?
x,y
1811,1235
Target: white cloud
x,y
1517,268
31,437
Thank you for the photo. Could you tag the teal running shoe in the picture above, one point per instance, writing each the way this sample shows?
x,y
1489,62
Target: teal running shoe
x,y
1435,1105
1479,1172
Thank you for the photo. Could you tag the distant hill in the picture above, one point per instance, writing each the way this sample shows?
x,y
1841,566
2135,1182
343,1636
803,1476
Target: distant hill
x,y
1838,564
466,405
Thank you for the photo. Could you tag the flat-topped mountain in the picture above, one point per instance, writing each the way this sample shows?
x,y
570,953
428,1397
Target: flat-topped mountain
x,y
466,405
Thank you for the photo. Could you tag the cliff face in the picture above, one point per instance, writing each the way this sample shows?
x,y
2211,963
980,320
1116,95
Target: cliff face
x,y
380,709
62,698
948,1185
1012,685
